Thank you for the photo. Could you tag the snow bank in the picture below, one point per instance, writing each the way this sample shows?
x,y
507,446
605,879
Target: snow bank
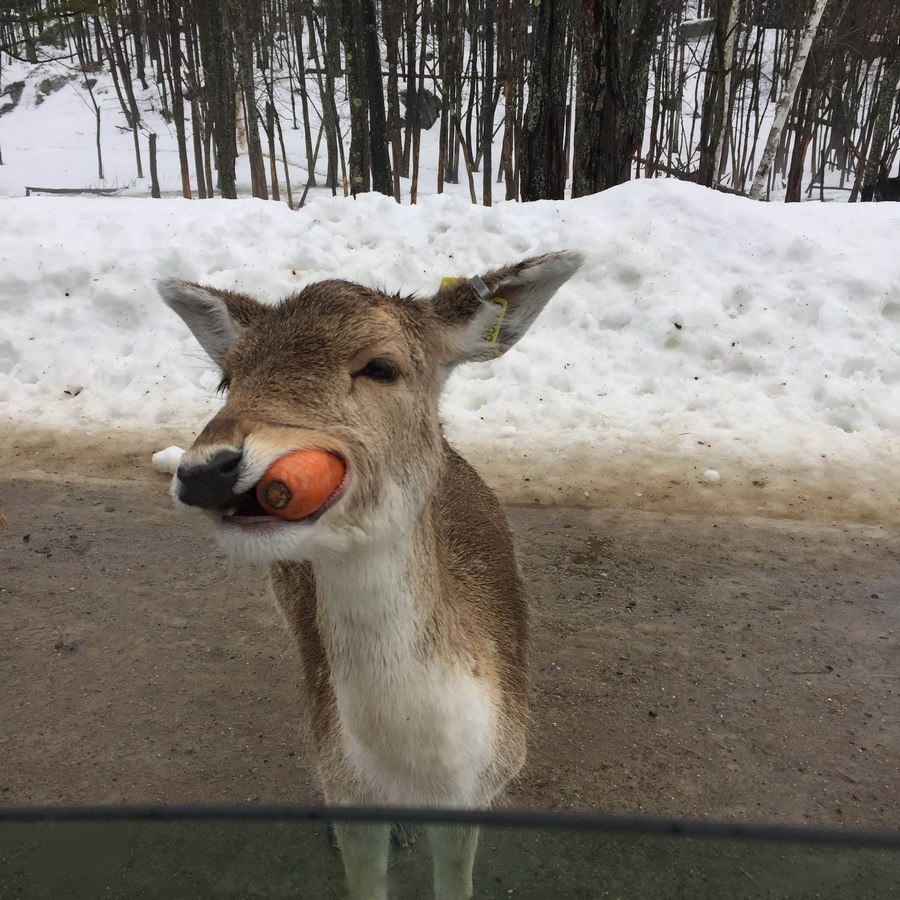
x,y
703,328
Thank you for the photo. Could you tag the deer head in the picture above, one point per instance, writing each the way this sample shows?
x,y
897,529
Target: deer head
x,y
351,370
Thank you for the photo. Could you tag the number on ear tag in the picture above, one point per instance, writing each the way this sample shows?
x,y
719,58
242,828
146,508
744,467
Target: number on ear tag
x,y
492,332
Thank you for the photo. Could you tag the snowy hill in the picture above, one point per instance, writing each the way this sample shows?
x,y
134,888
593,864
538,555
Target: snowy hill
x,y
711,350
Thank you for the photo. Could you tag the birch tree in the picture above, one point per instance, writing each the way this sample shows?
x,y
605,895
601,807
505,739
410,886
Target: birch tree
x,y
787,98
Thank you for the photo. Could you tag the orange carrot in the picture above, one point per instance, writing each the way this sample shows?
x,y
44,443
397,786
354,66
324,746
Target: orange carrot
x,y
299,483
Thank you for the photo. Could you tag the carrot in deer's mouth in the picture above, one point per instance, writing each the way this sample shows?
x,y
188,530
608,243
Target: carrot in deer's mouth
x,y
298,484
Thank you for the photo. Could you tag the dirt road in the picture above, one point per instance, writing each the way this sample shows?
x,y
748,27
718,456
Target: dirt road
x,y
685,665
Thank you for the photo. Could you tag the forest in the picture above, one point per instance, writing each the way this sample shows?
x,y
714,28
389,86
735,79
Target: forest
x,y
526,99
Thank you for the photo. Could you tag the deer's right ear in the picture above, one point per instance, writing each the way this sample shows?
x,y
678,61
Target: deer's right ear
x,y
215,317
484,317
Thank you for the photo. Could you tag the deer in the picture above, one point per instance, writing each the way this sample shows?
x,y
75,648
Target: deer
x,y
403,592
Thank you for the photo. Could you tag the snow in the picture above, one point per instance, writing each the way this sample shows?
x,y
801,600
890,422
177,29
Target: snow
x,y
703,329
704,334
166,461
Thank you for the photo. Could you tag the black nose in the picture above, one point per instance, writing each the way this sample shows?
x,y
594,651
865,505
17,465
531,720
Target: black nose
x,y
210,484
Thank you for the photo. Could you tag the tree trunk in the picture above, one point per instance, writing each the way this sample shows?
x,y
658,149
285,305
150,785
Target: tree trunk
x,y
351,21
725,116
244,46
884,103
454,36
154,177
217,47
117,61
712,116
592,74
99,144
390,13
198,122
508,76
543,150
415,123
273,157
412,96
617,40
377,133
331,48
178,97
304,96
807,103
787,98
487,104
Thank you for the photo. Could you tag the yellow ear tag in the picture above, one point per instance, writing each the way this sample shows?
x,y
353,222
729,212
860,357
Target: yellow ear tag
x,y
491,334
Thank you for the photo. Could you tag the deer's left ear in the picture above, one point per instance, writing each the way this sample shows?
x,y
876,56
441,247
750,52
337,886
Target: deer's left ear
x,y
482,321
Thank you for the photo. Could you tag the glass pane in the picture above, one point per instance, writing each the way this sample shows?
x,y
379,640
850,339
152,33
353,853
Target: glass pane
x,y
274,858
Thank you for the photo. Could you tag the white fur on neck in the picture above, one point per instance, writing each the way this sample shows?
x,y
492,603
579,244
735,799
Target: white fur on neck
x,y
417,726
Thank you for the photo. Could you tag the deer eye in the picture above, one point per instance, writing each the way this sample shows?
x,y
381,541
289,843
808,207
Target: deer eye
x,y
378,370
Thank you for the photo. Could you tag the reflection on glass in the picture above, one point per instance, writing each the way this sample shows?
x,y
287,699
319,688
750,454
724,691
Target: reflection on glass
x,y
286,856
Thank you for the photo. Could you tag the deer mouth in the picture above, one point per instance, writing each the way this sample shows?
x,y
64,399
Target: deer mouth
x,y
245,510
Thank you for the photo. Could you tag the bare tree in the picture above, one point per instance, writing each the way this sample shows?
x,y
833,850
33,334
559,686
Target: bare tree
x,y
214,29
683,88
880,149
242,15
173,12
728,57
543,149
615,43
787,98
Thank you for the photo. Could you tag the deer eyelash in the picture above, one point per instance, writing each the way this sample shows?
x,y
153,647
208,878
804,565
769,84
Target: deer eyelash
x,y
223,386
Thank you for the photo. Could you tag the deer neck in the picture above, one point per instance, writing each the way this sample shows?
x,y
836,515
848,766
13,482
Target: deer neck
x,y
415,722
377,602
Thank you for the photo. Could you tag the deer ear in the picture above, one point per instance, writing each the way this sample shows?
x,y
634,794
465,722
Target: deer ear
x,y
215,317
482,329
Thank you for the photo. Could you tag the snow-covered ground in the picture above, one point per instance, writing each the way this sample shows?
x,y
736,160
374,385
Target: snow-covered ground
x,y
707,342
